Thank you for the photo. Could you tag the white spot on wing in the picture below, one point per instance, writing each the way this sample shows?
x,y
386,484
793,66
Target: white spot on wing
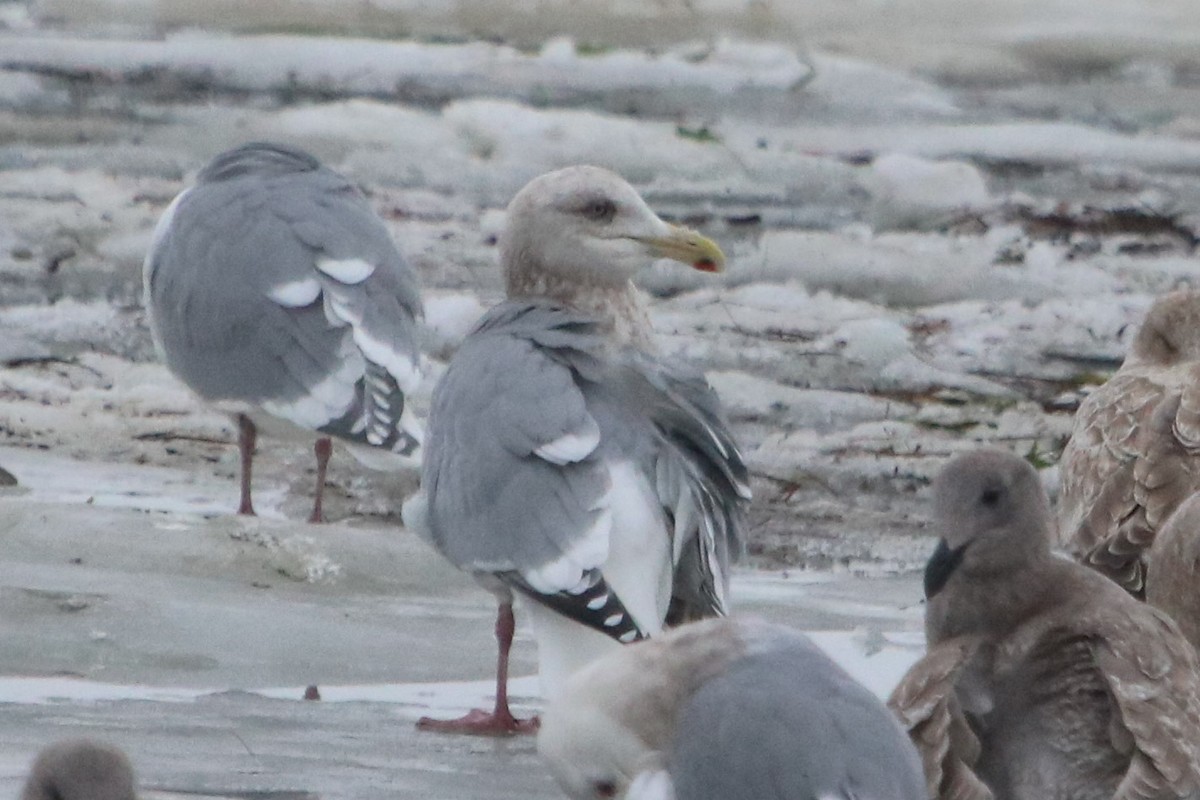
x,y
402,366
347,270
587,552
572,447
296,294
654,785
326,400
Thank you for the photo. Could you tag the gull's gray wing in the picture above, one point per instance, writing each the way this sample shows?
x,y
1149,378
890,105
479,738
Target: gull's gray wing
x,y
527,420
514,481
271,283
700,478
786,722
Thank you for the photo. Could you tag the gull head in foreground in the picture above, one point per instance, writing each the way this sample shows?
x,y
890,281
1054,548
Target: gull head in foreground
x,y
80,769
721,709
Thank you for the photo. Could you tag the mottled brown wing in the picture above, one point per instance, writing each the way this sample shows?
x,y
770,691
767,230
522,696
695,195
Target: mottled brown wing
x,y
1159,472
1173,569
1154,678
1187,419
927,706
1103,440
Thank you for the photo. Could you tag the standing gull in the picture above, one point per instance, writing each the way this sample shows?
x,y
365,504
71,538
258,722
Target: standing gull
x,y
1043,678
565,460
80,769
724,709
1134,452
277,295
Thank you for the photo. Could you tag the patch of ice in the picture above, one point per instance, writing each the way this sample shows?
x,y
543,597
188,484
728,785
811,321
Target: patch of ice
x,y
911,192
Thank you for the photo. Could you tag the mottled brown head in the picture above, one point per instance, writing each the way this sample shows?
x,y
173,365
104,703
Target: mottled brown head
x,y
1170,334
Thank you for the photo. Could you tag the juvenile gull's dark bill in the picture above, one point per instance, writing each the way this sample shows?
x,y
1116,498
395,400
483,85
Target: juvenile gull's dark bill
x,y
567,461
1134,451
277,295
1043,679
725,709
80,769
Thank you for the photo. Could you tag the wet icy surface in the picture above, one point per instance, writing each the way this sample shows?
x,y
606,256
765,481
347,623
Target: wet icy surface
x,y
944,218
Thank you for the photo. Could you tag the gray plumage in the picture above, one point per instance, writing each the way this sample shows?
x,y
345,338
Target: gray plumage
x,y
80,769
723,710
1134,451
1043,678
534,372
274,292
565,458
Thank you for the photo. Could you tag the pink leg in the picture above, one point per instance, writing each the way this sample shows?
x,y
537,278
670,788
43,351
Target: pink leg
x,y
247,436
322,450
500,721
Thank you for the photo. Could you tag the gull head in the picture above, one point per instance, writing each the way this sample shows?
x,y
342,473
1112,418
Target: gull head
x,y
586,226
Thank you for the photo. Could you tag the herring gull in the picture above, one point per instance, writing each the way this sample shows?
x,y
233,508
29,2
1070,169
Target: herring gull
x,y
1134,451
276,294
723,709
566,461
80,769
1043,678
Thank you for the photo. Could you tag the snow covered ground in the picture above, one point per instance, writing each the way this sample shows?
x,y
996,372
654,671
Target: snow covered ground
x,y
944,219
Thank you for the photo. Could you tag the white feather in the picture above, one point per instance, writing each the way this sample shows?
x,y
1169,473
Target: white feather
x,y
588,552
296,294
348,270
572,447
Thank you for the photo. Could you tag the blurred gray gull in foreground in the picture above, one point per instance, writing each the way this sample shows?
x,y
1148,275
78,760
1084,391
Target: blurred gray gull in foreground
x,y
1134,452
1173,569
80,769
276,294
1043,679
726,709
566,461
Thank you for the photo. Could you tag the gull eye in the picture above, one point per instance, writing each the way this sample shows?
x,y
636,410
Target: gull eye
x,y
601,210
990,497
605,789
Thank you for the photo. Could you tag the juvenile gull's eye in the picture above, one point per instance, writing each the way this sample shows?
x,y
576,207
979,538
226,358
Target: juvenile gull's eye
x,y
605,788
990,497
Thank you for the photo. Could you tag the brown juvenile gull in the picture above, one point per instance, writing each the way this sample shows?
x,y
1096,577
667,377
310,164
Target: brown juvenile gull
x,y
1044,679
565,460
1134,452
277,295
725,709
1173,569
80,769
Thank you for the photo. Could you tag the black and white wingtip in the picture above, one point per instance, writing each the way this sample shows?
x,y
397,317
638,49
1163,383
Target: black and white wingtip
x,y
594,604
